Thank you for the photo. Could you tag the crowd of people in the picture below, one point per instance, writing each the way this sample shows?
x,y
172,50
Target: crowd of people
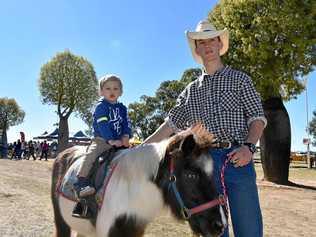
x,y
19,150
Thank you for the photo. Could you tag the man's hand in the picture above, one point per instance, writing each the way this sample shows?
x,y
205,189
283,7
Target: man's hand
x,y
240,156
203,136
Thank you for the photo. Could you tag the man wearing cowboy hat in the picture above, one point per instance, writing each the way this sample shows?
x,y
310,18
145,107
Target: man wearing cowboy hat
x,y
226,102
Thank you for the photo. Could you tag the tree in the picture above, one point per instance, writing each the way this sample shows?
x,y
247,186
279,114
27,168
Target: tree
x,y
68,81
312,128
10,115
147,115
274,42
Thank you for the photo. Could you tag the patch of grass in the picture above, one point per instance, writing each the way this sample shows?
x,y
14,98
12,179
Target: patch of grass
x,y
298,170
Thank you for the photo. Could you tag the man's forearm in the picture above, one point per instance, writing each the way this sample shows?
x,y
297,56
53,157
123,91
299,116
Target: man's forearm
x,y
164,131
255,131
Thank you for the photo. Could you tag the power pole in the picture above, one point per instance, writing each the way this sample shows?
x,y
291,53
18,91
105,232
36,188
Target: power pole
x,y
308,156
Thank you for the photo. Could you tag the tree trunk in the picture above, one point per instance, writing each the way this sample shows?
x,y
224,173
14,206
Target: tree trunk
x,y
4,143
63,135
275,142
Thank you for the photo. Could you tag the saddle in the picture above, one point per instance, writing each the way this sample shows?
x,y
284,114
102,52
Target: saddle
x,y
98,176
100,167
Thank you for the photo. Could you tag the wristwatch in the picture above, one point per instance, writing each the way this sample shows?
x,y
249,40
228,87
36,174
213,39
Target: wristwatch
x,y
252,147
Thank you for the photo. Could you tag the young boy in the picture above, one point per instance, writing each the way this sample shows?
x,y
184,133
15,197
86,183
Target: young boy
x,y
111,127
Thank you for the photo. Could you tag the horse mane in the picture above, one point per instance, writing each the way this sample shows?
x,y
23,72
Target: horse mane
x,y
201,135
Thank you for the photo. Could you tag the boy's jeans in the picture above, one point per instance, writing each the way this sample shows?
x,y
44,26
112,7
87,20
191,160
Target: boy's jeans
x,y
242,194
97,147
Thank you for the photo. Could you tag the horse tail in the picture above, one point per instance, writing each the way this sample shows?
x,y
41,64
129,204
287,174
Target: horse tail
x,y
60,166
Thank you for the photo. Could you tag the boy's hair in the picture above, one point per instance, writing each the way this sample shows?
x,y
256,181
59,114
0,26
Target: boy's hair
x,y
110,77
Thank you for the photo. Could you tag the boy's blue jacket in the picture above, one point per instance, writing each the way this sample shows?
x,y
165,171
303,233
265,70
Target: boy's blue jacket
x,y
110,121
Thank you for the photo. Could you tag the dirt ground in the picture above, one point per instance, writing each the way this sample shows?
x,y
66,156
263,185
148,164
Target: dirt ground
x,y
26,210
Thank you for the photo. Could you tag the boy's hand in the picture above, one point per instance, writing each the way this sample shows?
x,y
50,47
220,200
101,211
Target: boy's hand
x,y
125,140
116,143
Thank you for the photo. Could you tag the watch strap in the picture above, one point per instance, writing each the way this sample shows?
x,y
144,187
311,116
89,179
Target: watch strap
x,y
251,146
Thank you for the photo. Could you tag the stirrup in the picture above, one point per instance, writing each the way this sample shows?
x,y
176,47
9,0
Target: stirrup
x,y
81,210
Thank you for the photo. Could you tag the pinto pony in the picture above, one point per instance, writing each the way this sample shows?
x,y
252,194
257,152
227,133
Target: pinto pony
x,y
176,173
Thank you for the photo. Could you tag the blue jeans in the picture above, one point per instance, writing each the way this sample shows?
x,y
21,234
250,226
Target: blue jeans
x,y
242,194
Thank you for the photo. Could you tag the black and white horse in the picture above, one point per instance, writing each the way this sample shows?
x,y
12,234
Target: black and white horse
x,y
176,172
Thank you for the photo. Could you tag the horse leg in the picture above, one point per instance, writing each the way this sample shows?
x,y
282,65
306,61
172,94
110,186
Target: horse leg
x,y
61,228
128,227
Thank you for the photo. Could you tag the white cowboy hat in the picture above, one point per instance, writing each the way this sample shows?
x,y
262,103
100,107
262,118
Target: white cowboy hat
x,y
205,30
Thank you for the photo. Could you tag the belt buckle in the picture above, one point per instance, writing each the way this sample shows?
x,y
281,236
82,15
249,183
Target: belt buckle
x,y
222,144
226,144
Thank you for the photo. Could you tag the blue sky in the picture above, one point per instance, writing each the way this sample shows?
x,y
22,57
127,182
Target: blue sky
x,y
142,41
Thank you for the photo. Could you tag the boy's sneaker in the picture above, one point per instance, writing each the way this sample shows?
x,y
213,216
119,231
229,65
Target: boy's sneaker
x,y
83,187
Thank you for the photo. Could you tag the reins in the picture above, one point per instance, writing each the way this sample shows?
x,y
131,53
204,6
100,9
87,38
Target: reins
x,y
223,145
223,184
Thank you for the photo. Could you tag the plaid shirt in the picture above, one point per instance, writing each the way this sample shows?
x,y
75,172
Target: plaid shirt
x,y
225,102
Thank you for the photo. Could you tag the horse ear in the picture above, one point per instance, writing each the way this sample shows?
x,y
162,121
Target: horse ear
x,y
188,144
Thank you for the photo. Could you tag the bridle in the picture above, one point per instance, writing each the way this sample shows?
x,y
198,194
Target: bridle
x,y
188,212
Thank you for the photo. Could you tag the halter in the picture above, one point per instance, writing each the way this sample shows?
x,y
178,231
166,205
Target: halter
x,y
188,212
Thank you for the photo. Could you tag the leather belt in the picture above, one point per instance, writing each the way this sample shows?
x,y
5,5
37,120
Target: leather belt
x,y
224,144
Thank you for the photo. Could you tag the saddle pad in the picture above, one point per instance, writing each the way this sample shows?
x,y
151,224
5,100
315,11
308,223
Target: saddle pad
x,y
66,188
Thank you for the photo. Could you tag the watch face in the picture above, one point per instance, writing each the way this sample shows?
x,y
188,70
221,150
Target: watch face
x,y
252,147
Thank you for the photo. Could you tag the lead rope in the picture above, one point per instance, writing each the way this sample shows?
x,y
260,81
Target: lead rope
x,y
223,184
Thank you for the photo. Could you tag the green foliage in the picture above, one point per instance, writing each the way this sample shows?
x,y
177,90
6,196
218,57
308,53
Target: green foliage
x,y
312,128
10,113
271,40
150,112
69,81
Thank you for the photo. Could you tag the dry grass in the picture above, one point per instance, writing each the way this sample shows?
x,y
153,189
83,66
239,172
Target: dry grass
x,y
26,211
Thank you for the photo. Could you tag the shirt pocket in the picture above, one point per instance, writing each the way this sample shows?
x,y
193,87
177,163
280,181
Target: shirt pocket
x,y
229,100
